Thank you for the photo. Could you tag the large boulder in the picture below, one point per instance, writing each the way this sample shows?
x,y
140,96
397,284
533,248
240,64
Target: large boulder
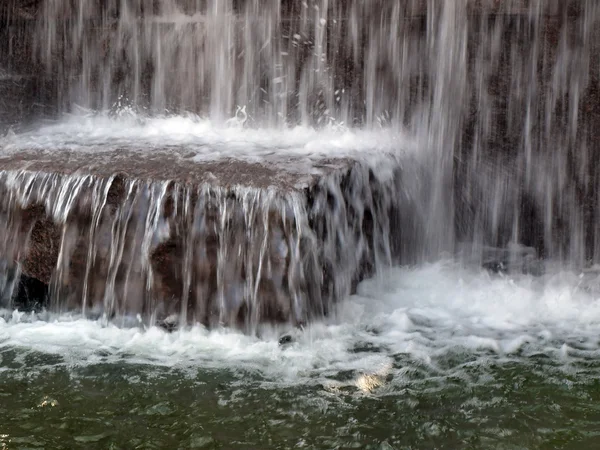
x,y
225,242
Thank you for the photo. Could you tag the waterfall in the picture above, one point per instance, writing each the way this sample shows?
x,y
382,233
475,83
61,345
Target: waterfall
x,y
201,252
499,99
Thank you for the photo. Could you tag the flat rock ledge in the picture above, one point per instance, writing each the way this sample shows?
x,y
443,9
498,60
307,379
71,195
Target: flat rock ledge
x,y
157,236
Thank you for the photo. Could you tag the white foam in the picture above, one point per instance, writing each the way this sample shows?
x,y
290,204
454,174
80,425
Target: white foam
x,y
207,140
421,314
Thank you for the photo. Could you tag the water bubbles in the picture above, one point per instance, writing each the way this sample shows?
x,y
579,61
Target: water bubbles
x,y
48,402
123,107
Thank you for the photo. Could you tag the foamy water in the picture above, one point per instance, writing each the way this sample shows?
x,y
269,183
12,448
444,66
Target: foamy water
x,y
420,315
100,132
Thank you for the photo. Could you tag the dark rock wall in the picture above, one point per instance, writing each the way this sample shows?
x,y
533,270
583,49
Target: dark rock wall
x,y
26,94
527,164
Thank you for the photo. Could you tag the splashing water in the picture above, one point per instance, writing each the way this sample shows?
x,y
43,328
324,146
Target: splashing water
x,y
408,318
499,95
198,247
489,97
444,135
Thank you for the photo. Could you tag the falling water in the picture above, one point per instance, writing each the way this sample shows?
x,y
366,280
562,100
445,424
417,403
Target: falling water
x,y
259,165
500,94
175,252
499,98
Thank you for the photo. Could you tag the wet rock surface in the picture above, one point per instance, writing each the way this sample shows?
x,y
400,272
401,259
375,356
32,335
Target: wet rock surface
x,y
244,246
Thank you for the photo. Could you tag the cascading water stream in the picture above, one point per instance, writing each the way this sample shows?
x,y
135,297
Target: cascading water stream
x,y
299,223
498,98
494,92
175,252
